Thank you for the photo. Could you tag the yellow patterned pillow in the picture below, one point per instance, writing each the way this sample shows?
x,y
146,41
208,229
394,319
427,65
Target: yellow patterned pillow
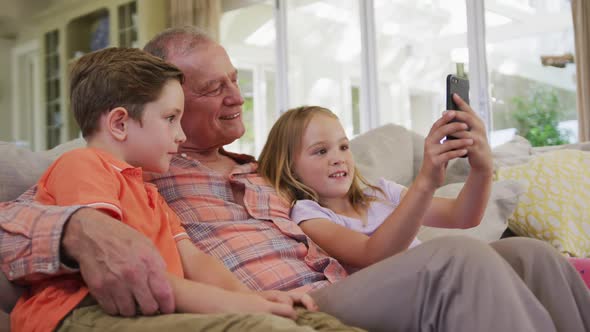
x,y
556,206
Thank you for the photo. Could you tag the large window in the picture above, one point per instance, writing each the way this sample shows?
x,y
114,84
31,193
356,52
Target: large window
x,y
324,54
530,47
375,62
248,34
418,44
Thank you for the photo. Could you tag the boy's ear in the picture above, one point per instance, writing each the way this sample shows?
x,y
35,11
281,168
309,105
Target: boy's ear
x,y
117,123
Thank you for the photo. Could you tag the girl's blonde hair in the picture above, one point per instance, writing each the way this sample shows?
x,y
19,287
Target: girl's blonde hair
x,y
277,158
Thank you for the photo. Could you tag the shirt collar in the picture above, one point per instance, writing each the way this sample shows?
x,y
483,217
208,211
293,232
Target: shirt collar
x,y
117,164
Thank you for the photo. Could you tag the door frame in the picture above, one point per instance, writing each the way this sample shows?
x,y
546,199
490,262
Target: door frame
x,y
21,52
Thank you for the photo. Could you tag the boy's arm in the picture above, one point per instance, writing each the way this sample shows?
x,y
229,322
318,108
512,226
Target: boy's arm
x,y
200,267
197,297
203,268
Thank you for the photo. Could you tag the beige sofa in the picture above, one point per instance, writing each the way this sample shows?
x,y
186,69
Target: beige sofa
x,y
391,151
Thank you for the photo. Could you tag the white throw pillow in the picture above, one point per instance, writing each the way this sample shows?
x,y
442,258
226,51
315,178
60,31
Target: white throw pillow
x,y
385,152
503,201
19,170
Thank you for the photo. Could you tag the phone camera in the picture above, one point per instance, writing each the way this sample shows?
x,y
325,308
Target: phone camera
x,y
455,80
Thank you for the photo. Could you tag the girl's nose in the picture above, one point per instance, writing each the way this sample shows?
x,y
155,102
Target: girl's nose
x,y
337,161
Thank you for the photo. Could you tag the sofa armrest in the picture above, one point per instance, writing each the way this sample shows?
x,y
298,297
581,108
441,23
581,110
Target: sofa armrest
x,y
583,146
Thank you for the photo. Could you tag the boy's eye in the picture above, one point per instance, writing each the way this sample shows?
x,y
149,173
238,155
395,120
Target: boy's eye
x,y
344,147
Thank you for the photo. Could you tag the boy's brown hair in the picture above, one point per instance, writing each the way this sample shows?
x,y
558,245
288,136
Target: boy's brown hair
x,y
116,77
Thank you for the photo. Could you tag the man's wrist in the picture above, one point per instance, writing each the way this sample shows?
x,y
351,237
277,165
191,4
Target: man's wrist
x,y
68,240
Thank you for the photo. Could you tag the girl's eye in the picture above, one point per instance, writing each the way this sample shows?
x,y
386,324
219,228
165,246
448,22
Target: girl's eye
x,y
344,147
320,151
171,118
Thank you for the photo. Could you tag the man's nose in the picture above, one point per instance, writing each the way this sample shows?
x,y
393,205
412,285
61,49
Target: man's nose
x,y
234,96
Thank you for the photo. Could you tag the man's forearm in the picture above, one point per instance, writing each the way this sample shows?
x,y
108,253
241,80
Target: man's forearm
x,y
71,235
30,235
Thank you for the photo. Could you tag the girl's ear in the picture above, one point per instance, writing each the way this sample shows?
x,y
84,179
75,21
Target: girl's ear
x,y
117,123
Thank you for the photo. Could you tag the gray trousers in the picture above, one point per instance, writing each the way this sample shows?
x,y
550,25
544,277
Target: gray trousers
x,y
460,284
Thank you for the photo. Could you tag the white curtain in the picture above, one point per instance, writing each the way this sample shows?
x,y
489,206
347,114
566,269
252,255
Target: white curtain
x,y
202,13
581,18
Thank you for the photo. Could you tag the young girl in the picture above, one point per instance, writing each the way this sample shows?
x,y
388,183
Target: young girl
x,y
308,161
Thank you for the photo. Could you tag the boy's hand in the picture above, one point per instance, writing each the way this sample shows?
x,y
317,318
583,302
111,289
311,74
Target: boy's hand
x,y
252,302
290,298
479,153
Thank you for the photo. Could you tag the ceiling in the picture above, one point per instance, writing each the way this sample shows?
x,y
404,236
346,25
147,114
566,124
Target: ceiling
x,y
14,12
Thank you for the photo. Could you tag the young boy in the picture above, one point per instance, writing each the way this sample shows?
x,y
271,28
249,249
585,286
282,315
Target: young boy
x,y
128,105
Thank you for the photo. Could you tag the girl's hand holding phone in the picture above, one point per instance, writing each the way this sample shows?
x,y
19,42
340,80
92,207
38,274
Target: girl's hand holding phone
x,y
437,155
479,152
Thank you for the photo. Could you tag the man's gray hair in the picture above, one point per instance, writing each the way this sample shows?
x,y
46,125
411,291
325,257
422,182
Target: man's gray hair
x,y
180,40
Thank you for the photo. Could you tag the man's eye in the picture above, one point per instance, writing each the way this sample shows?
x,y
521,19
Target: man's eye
x,y
214,92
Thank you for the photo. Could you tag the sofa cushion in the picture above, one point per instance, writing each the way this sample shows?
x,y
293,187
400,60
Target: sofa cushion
x,y
502,203
20,168
385,152
555,206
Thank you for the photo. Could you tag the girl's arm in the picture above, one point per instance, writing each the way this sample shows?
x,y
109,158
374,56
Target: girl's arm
x,y
468,208
395,234
398,230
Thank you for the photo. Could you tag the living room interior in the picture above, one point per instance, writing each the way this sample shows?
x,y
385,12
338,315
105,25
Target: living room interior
x,y
380,65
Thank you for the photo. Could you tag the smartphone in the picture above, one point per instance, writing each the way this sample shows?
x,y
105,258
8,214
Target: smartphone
x,y
460,86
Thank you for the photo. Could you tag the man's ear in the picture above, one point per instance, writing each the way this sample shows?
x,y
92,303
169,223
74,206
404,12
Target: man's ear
x,y
117,123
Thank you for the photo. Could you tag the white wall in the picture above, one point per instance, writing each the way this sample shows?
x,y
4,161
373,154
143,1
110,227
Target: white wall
x,y
5,90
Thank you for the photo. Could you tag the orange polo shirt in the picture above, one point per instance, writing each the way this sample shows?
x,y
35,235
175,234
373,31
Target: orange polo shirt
x,y
94,178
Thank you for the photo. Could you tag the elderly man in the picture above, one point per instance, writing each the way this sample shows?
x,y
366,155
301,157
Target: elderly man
x,y
448,284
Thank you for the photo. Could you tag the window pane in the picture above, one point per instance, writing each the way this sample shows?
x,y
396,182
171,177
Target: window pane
x,y
246,143
324,55
248,34
419,42
530,97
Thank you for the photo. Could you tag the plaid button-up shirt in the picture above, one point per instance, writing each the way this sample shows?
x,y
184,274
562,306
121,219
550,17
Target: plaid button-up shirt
x,y
257,241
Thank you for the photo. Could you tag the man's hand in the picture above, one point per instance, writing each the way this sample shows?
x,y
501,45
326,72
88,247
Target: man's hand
x,y
121,267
